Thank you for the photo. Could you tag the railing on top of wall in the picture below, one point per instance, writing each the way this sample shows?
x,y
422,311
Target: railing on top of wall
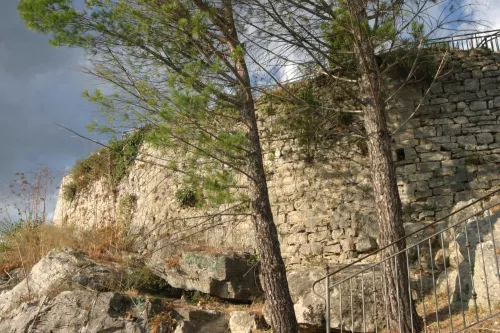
x,y
454,276
483,39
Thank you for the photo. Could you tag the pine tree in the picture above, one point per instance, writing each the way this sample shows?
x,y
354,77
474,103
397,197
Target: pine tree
x,y
180,65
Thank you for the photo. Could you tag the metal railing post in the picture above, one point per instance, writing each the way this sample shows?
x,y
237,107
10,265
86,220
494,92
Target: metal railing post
x,y
327,299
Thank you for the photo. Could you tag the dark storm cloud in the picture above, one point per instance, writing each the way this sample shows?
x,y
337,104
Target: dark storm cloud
x,y
39,87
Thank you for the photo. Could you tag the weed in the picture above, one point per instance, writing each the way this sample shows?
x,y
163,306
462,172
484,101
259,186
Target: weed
x,y
172,262
198,297
69,191
187,197
473,159
126,206
110,163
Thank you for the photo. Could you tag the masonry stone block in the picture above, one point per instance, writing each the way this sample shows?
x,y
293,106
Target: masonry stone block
x,y
437,88
489,68
335,249
424,148
435,182
440,201
435,156
484,138
428,166
491,74
471,85
439,139
453,87
466,140
478,105
452,129
425,132
439,100
461,120
477,74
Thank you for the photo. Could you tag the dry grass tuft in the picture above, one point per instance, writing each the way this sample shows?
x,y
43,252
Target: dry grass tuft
x,y
458,320
25,245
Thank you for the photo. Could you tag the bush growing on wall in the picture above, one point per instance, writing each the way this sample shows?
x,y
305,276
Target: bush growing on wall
x,y
109,163
187,197
69,191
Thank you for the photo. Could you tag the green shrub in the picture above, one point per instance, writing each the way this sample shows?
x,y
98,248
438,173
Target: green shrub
x,y
69,191
109,163
473,159
187,197
195,297
143,279
127,204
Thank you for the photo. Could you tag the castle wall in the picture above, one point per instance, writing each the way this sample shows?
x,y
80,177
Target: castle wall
x,y
447,153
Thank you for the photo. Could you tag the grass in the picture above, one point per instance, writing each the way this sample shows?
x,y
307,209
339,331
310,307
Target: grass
x,y
457,320
26,244
109,163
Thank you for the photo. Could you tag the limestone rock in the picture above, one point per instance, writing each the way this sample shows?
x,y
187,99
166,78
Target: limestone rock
x,y
195,321
228,275
8,280
243,322
456,283
310,307
77,311
486,278
365,244
60,269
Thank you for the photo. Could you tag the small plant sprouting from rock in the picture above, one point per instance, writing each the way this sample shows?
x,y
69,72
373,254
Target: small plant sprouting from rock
x,y
473,159
187,197
127,205
253,259
196,297
69,191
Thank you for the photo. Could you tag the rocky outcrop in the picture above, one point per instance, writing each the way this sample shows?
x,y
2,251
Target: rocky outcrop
x,y
195,320
227,275
486,275
66,292
310,304
245,322
77,311
62,269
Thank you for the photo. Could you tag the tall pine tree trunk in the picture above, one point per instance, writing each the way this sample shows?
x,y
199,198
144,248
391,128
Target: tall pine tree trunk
x,y
273,271
402,314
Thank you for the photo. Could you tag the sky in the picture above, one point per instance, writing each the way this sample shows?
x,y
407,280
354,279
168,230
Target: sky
x,y
41,86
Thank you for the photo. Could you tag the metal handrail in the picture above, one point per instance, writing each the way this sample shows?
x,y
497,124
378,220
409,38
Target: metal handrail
x,y
463,35
406,236
479,39
372,266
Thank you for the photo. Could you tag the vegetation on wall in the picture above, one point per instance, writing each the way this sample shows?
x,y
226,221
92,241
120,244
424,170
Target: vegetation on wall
x,y
69,191
317,119
187,197
110,163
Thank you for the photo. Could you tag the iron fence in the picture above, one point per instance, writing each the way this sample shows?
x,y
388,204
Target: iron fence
x,y
483,39
453,269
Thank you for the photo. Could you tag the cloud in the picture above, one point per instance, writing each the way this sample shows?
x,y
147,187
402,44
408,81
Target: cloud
x,y
490,13
40,86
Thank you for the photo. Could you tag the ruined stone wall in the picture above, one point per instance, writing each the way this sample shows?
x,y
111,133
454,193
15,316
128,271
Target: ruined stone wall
x,y
448,152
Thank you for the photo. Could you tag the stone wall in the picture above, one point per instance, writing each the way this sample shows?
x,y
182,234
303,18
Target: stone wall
x,y
449,152
324,210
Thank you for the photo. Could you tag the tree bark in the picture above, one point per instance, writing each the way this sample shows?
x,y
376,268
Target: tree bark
x,y
401,311
273,271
